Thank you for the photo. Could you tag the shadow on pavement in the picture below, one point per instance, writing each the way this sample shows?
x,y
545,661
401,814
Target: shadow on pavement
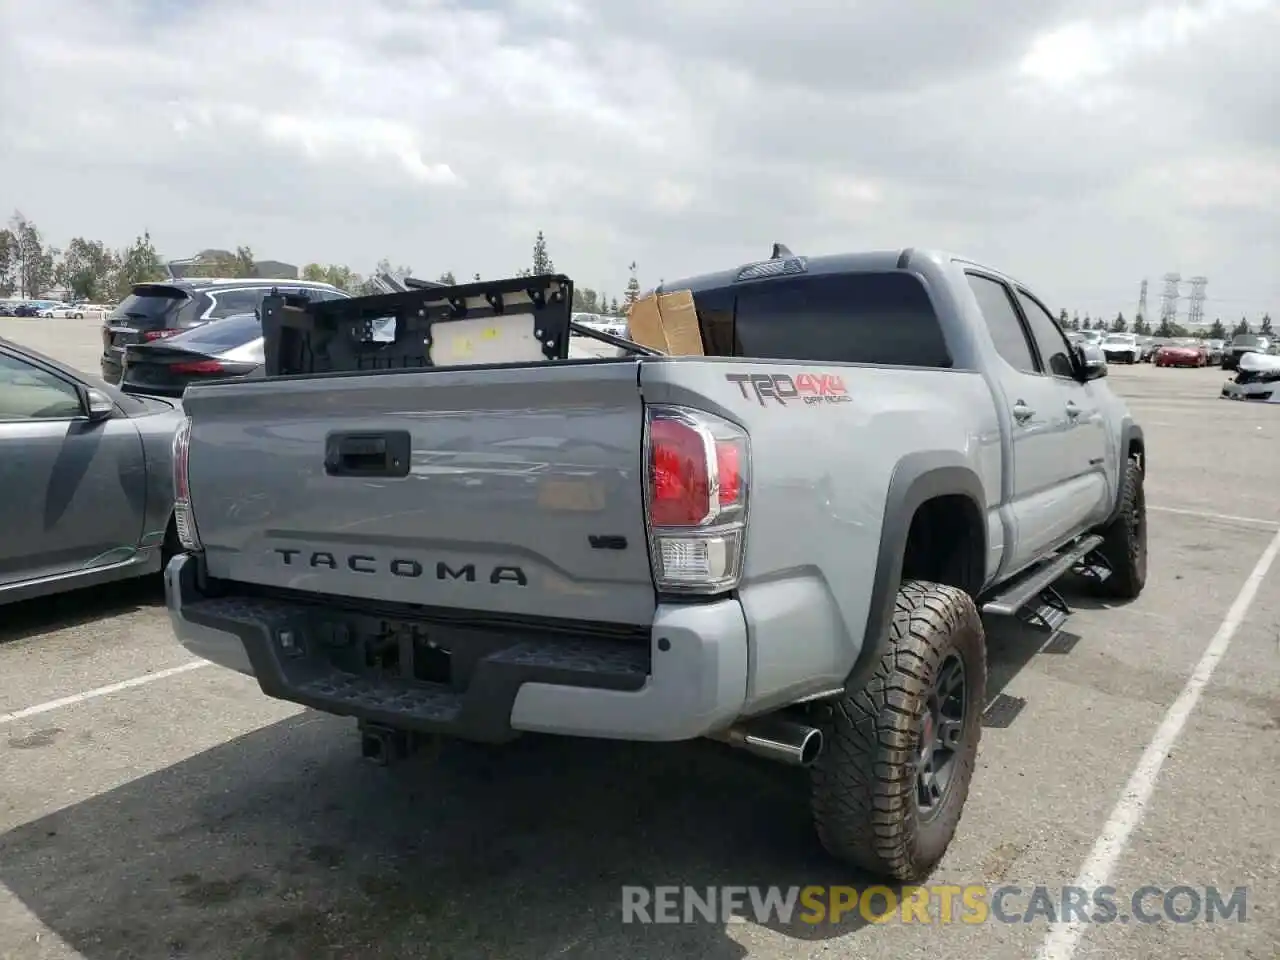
x,y
32,618
283,844
1012,645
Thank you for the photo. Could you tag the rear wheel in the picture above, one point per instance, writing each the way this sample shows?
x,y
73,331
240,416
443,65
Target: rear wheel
x,y
891,782
1124,546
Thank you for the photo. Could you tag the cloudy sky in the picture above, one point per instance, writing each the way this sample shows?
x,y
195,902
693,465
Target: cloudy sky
x,y
1079,144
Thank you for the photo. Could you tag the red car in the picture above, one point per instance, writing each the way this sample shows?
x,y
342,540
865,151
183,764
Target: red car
x,y
1182,355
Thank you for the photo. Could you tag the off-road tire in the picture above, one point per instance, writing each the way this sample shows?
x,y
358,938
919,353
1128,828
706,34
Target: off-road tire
x,y
864,784
1124,544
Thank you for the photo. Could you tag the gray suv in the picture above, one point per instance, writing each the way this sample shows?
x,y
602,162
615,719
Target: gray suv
x,y
160,309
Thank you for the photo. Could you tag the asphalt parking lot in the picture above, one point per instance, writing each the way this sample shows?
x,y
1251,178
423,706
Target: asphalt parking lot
x,y
154,807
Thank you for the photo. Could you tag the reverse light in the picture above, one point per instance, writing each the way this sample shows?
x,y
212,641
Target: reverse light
x,y
697,490
183,519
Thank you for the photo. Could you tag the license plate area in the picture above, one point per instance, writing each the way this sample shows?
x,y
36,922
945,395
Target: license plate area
x,y
142,374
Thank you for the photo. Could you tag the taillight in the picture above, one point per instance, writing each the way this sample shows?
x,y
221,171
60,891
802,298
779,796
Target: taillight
x,y
159,334
197,366
183,519
697,488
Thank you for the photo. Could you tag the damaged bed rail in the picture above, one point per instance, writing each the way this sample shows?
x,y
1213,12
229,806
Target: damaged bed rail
x,y
516,320
422,324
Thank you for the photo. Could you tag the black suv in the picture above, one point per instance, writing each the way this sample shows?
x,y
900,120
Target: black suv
x,y
160,309
1240,345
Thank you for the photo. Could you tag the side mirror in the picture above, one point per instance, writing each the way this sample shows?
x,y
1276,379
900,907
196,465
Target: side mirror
x,y
98,406
1092,362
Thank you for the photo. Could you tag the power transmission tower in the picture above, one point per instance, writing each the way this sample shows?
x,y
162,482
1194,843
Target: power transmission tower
x,y
1169,298
1195,312
1142,301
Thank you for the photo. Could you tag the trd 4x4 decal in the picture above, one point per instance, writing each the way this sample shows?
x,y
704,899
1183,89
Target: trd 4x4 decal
x,y
786,388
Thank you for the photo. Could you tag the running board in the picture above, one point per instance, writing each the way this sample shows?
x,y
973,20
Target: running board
x,y
1094,567
1035,581
1048,613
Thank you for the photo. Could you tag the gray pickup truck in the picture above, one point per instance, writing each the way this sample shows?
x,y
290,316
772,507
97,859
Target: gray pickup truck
x,y
786,545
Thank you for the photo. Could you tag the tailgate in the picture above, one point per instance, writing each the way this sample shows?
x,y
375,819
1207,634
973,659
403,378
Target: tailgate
x,y
521,494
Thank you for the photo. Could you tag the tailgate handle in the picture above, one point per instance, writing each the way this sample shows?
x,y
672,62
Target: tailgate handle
x,y
367,454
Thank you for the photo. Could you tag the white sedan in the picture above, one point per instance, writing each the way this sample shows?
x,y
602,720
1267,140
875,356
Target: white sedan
x,y
64,311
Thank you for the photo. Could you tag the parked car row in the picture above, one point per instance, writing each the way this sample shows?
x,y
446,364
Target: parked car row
x,y
598,321
86,491
116,436
51,309
165,310
1175,351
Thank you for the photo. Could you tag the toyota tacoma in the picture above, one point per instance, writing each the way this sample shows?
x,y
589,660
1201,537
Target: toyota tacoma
x,y
784,538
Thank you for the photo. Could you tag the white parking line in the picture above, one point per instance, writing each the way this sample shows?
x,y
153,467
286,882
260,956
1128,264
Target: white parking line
x,y
109,689
1063,939
1226,517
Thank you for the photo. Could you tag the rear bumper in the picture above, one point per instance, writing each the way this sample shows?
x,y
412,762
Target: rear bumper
x,y
111,368
687,680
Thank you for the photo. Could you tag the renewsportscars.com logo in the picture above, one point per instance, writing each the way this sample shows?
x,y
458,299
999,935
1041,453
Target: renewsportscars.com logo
x,y
937,903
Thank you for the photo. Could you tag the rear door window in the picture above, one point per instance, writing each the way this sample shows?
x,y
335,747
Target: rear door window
x,y
227,303
877,318
1002,319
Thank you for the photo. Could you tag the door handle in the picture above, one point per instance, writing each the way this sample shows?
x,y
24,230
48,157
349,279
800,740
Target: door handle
x,y
1021,412
1072,410
367,454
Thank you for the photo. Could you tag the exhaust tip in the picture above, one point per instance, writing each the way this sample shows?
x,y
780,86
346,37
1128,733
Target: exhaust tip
x,y
774,738
811,747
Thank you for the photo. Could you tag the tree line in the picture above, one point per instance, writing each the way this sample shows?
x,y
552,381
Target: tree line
x,y
585,299
88,269
1165,328
92,272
